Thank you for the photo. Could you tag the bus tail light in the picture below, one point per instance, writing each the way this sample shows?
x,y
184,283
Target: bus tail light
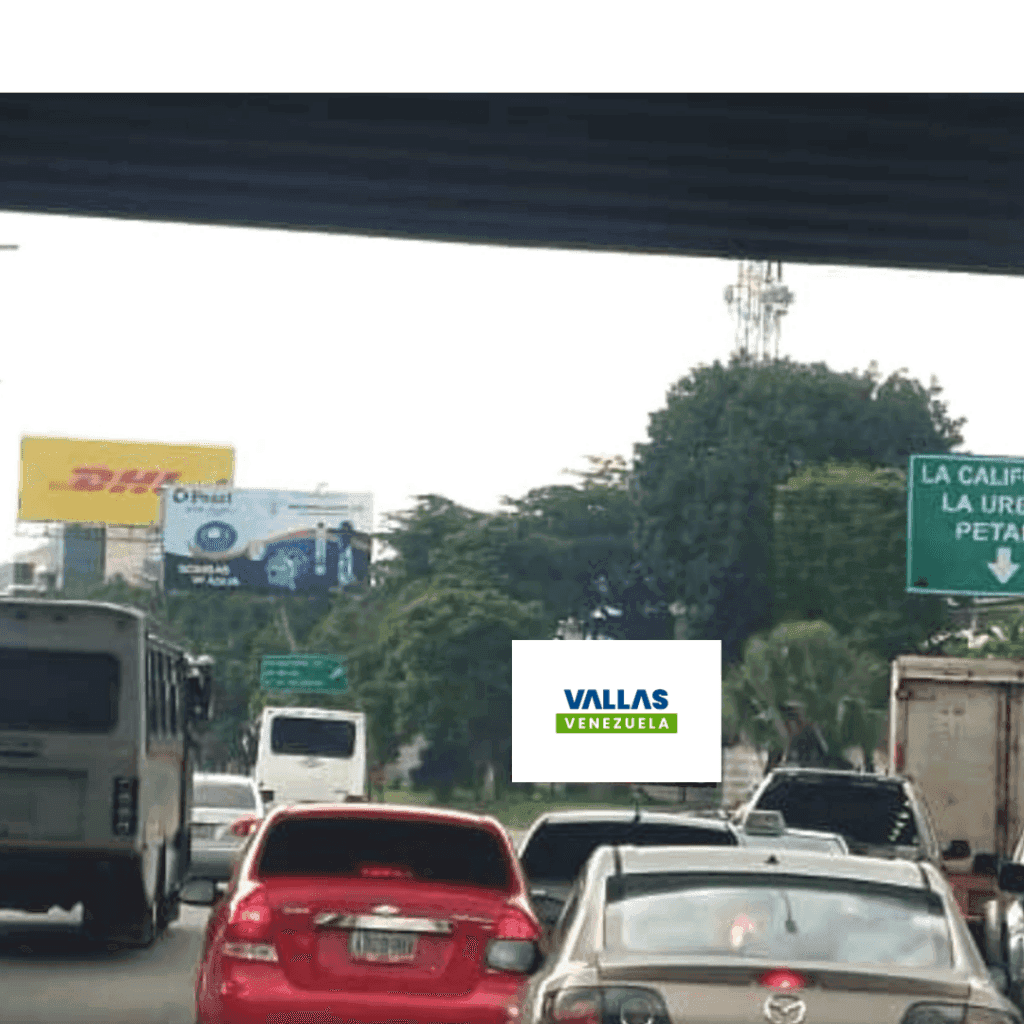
x,y
126,806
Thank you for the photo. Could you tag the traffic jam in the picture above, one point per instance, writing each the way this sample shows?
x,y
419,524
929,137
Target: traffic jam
x,y
190,828
826,897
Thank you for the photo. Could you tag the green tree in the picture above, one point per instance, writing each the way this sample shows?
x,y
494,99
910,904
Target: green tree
x,y
805,671
447,645
705,479
235,629
558,552
418,538
351,630
1000,634
572,548
840,534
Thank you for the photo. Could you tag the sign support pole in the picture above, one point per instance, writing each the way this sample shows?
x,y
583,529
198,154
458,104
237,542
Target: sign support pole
x,y
286,626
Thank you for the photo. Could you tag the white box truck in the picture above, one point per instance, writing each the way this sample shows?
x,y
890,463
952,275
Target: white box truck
x,y
954,731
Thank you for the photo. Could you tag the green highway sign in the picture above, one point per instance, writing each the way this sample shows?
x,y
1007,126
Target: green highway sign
x,y
304,673
965,525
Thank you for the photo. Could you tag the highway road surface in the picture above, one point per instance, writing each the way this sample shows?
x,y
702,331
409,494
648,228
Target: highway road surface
x,y
51,975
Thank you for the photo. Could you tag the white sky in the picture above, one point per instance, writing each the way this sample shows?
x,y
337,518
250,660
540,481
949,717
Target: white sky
x,y
403,367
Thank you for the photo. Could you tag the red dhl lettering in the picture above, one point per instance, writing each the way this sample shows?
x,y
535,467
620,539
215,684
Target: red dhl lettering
x,y
102,478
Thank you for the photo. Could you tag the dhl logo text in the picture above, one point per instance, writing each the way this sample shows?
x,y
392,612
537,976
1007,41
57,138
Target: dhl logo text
x,y
101,478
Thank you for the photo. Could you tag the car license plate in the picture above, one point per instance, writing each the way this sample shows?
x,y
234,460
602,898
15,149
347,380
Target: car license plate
x,y
382,947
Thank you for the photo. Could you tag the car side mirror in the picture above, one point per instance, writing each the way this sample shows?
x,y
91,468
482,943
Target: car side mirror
x,y
199,892
549,908
538,961
267,796
1000,978
958,849
985,864
1011,877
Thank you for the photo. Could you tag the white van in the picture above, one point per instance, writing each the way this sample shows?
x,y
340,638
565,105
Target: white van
x,y
311,755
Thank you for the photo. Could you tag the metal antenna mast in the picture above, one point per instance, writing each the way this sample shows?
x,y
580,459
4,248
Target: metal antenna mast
x,y
758,301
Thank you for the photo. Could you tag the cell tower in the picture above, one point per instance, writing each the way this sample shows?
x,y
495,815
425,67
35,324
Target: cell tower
x,y
758,301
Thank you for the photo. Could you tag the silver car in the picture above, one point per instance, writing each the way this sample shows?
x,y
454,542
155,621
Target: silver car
x,y
659,934
218,802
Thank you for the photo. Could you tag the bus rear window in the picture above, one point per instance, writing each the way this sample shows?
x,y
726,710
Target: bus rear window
x,y
58,691
312,737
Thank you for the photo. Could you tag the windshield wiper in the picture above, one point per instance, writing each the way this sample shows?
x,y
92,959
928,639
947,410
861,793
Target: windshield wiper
x,y
790,923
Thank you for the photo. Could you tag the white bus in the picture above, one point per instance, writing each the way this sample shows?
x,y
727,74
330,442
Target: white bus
x,y
311,755
95,764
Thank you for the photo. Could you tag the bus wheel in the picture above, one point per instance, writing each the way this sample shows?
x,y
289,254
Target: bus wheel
x,y
166,903
153,918
145,926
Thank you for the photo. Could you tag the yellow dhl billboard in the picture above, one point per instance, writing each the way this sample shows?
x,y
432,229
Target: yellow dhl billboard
x,y
116,482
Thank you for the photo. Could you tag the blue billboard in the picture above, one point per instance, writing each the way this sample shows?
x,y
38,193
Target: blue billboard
x,y
276,541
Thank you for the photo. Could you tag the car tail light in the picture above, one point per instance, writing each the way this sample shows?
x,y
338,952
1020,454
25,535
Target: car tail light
x,y
574,1006
248,930
955,1013
262,951
783,980
126,806
514,945
244,826
605,1006
514,924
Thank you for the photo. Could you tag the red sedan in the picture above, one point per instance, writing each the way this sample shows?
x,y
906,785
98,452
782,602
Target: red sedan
x,y
369,914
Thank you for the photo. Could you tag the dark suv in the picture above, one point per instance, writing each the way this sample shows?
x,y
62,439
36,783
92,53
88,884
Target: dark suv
x,y
877,815
559,844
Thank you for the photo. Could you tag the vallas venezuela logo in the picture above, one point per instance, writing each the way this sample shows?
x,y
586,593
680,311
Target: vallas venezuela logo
x,y
629,714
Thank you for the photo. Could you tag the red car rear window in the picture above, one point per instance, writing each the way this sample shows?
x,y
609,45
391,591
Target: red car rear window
x,y
377,847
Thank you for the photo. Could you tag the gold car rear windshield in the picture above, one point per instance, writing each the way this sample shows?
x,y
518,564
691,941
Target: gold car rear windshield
x,y
785,918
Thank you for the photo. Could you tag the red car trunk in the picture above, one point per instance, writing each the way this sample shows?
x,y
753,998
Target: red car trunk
x,y
392,935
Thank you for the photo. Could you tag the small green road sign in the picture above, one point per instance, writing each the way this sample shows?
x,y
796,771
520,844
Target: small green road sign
x,y
305,673
965,525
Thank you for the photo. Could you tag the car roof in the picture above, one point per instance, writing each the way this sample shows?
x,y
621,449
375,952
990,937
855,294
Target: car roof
x,y
222,777
729,859
838,774
813,833
311,712
629,815
403,812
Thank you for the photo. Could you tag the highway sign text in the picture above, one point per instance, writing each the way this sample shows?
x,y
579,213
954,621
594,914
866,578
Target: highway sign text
x,y
965,525
302,673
